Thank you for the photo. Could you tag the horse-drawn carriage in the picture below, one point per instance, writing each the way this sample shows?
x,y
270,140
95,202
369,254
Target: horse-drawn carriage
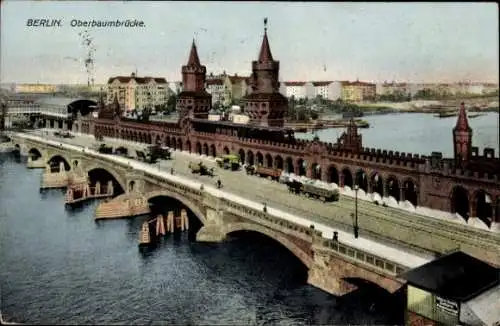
x,y
312,190
261,171
201,169
161,152
105,149
229,162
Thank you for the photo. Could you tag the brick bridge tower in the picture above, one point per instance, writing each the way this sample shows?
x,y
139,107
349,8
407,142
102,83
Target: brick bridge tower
x,y
462,137
265,105
193,101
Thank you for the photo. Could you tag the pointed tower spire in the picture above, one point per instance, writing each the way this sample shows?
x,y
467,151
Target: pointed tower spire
x,y
194,60
265,51
462,136
462,121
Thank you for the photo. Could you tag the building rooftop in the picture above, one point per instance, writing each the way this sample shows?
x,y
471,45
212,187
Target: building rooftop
x,y
55,101
138,80
456,276
294,83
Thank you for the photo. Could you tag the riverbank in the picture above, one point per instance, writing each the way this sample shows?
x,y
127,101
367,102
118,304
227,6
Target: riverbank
x,y
321,124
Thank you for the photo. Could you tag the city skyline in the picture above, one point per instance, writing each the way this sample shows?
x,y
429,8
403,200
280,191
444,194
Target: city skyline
x,y
424,42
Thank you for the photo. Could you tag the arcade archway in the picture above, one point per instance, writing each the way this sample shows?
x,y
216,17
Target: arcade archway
x,y
213,152
289,165
198,148
362,180
269,161
333,175
226,150
205,149
316,171
393,188
302,167
241,153
460,202
250,158
279,162
377,184
260,159
347,177
484,207
410,192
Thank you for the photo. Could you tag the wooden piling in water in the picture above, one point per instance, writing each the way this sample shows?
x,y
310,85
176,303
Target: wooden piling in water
x,y
144,236
170,222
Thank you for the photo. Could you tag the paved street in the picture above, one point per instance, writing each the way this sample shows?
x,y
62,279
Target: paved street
x,y
337,214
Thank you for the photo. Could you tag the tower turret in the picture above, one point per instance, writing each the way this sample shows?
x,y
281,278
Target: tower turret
x,y
193,101
265,105
462,136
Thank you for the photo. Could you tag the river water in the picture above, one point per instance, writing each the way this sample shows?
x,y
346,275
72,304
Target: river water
x,y
59,266
419,133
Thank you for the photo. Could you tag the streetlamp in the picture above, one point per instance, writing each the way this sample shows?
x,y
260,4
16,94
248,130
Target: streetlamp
x,y
356,228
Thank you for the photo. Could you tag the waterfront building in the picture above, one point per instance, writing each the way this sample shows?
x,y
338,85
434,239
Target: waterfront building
x,y
217,88
237,88
297,89
35,88
456,289
137,93
392,88
358,91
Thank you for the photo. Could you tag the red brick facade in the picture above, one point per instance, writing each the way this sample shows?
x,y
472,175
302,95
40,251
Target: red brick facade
x,y
467,184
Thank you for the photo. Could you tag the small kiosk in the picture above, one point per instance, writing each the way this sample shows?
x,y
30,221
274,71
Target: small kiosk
x,y
456,289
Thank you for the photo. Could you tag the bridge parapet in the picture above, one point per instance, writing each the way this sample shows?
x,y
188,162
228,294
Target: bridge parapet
x,y
375,262
264,218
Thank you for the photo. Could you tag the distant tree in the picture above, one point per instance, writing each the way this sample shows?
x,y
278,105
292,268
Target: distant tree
x,y
171,103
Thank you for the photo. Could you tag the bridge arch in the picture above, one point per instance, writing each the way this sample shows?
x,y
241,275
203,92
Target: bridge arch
x,y
35,153
56,158
104,176
306,259
109,170
186,202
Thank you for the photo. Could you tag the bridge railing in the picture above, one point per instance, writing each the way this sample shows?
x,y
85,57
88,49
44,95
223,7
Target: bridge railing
x,y
354,254
264,218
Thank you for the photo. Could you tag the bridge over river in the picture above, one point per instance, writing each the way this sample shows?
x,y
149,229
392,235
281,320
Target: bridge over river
x,y
391,242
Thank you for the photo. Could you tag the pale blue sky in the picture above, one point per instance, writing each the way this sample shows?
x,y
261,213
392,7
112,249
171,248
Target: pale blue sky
x,y
371,41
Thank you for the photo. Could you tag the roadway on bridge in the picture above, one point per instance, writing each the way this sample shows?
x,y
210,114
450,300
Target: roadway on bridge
x,y
262,190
